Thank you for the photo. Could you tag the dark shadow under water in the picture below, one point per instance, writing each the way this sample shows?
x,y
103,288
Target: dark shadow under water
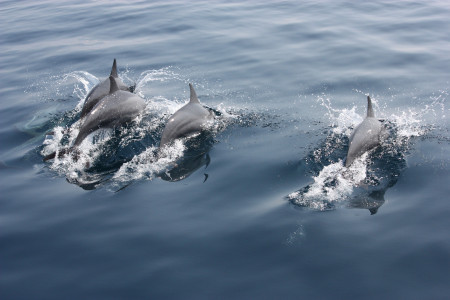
x,y
194,157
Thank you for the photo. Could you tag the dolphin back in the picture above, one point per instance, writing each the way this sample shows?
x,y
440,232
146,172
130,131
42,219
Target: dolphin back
x,y
188,120
113,87
365,136
101,90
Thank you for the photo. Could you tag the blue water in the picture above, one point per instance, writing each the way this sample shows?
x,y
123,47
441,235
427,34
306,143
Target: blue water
x,y
261,207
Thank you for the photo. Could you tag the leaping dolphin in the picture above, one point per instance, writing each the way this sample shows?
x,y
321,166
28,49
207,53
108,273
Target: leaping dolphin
x,y
116,108
365,136
101,90
188,120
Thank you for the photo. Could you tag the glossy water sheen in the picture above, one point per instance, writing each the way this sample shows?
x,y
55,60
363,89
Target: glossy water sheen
x,y
278,215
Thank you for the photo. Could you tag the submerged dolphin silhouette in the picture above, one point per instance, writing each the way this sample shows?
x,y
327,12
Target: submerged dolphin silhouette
x,y
365,136
371,201
188,120
116,108
101,90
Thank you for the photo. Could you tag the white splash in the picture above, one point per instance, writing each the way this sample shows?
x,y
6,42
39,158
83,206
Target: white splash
x,y
150,163
84,82
159,75
332,185
72,163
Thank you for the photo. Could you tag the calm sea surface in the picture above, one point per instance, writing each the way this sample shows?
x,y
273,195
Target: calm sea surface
x,y
260,207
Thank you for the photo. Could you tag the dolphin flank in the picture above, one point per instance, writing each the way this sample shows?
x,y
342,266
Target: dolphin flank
x,y
365,136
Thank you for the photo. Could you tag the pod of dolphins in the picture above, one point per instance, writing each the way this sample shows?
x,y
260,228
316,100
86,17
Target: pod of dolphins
x,y
110,104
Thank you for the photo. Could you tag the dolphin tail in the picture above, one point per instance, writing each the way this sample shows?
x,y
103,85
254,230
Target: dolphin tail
x,y
75,154
113,85
114,69
369,108
194,98
373,210
61,153
208,160
50,156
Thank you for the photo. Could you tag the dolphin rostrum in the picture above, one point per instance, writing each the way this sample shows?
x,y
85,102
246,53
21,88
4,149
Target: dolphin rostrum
x,y
101,90
116,108
188,120
365,136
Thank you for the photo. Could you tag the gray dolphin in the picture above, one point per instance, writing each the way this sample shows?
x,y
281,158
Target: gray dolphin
x,y
188,120
116,108
101,90
365,136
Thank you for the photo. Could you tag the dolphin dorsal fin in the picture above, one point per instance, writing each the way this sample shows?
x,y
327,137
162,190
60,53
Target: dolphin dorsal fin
x,y
369,108
194,98
114,69
112,85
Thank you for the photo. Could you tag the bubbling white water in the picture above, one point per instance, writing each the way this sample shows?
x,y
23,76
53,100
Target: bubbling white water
x,y
334,183
150,163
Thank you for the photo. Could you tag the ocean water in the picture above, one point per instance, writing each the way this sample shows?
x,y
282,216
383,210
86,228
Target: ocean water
x,y
259,206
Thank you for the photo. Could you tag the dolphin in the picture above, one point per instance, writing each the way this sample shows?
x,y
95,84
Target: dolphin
x,y
101,90
186,121
116,108
365,136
